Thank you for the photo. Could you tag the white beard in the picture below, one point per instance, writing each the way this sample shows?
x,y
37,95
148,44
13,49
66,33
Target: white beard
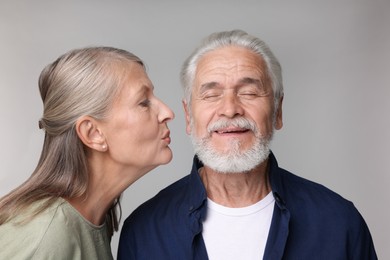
x,y
235,160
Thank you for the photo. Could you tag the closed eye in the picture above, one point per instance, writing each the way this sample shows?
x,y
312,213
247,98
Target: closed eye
x,y
248,95
212,94
211,97
145,103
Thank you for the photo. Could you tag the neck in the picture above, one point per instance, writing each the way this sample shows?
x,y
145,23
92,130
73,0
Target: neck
x,y
106,183
94,205
236,189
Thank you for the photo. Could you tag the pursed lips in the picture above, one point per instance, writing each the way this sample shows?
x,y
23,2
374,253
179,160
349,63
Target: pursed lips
x,y
166,137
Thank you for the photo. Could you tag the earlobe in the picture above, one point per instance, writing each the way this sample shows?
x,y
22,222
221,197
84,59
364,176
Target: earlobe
x,y
187,117
90,134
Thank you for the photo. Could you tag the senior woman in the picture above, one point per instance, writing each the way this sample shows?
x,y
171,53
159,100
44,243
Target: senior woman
x,y
104,129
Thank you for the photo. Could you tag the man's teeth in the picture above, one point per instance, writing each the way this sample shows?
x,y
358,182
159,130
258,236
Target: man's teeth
x,y
230,131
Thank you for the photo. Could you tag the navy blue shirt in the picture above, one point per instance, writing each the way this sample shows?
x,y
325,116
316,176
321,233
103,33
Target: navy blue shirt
x,y
309,222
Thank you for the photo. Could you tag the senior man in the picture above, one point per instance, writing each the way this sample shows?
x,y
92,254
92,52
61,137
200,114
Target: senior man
x,y
237,203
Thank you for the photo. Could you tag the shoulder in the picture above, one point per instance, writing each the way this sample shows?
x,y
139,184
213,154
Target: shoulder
x,y
160,226
80,238
295,188
309,200
168,198
42,233
164,209
318,213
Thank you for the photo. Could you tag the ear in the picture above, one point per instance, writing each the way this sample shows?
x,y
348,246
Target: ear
x,y
187,115
89,132
279,115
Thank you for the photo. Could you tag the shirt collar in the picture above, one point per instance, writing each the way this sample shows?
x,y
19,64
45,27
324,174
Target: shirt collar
x,y
275,179
196,192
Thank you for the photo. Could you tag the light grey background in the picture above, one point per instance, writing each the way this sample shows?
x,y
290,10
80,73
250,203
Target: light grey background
x,y
335,57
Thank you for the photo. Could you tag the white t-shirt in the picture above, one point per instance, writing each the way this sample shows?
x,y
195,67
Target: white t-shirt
x,y
237,233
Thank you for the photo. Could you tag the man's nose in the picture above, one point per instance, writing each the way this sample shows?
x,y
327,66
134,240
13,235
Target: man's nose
x,y
230,106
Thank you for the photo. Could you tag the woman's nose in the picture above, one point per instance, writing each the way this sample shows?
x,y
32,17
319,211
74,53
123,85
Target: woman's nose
x,y
165,114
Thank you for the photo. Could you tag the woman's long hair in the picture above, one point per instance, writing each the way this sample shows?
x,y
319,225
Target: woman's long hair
x,y
81,82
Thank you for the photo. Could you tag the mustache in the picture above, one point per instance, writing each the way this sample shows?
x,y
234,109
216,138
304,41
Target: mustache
x,y
240,122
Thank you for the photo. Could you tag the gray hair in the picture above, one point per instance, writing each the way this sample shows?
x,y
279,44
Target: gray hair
x,y
232,38
80,82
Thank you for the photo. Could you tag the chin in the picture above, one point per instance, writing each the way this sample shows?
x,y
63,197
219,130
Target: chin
x,y
167,158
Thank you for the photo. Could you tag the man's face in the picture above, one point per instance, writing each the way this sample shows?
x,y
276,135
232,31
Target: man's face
x,y
231,84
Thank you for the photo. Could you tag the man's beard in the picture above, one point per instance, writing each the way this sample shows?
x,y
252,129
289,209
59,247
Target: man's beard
x,y
235,160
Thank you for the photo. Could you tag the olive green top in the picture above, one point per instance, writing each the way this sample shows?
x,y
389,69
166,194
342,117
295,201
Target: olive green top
x,y
59,232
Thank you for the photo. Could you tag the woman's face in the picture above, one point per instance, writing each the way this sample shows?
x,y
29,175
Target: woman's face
x,y
136,130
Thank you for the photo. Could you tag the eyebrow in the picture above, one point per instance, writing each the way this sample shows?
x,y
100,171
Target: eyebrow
x,y
249,81
243,81
143,90
146,88
208,85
